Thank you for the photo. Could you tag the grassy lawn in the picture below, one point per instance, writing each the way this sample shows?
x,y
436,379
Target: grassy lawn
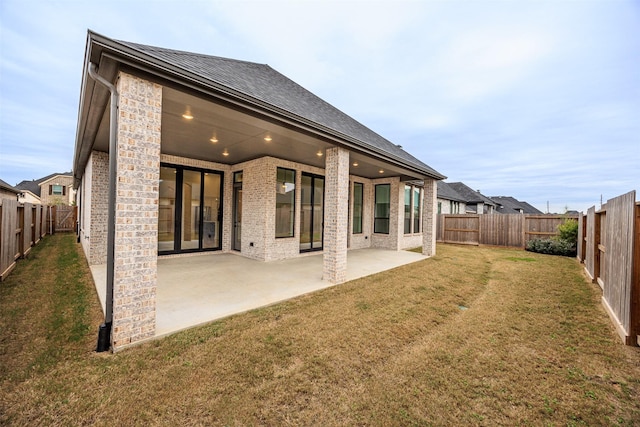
x,y
473,336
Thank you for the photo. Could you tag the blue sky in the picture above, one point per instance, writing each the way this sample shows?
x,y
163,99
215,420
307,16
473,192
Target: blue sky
x,y
539,100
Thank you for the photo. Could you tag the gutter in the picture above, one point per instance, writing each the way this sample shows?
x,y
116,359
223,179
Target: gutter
x,y
104,333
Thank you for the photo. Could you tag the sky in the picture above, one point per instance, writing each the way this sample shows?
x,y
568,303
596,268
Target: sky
x,y
538,100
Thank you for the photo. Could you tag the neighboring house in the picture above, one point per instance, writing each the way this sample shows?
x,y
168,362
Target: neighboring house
x,y
509,205
7,191
54,189
476,202
449,201
216,154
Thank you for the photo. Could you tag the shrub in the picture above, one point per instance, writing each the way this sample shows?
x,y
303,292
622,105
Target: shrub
x,y
568,231
565,243
551,247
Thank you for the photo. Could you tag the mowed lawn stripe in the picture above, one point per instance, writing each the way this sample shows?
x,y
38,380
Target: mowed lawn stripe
x,y
472,336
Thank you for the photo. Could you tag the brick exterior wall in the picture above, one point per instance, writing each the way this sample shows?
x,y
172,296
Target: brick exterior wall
x,y
94,208
136,230
429,209
336,216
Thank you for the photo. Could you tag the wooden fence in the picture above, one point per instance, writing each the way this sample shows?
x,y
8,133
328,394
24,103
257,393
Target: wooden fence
x,y
23,225
513,230
609,246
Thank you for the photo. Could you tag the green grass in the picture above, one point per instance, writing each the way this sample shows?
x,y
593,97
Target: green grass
x,y
533,347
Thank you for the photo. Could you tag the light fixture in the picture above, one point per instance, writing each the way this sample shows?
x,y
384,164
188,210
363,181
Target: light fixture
x,y
225,152
355,164
319,153
267,138
380,171
187,114
213,139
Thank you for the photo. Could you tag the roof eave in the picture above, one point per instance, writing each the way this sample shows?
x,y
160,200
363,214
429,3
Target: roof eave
x,y
133,57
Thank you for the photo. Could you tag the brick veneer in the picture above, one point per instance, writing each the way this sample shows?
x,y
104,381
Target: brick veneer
x,y
136,228
429,217
95,204
336,215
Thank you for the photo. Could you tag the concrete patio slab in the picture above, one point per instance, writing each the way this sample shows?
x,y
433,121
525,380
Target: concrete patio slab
x,y
193,290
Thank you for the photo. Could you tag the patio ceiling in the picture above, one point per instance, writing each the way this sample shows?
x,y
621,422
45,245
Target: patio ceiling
x,y
216,129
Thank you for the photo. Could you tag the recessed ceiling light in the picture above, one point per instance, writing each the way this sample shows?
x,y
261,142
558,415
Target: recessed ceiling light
x,y
214,139
225,152
267,138
187,114
319,153
355,164
380,171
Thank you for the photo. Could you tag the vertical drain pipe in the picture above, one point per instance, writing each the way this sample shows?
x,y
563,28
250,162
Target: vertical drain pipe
x,y
104,333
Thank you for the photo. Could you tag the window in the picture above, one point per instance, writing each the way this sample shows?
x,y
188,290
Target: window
x,y
57,190
407,209
285,202
382,210
358,195
412,210
439,208
417,217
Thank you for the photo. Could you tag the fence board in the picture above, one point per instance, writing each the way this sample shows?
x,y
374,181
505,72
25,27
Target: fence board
x,y
612,259
20,229
8,221
512,230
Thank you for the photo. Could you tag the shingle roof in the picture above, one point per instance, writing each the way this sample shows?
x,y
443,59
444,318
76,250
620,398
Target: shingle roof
x,y
8,187
447,193
34,185
261,82
470,195
510,205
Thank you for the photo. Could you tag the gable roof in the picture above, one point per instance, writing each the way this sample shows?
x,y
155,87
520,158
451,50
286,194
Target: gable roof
x,y
446,192
261,85
470,196
7,187
509,205
34,185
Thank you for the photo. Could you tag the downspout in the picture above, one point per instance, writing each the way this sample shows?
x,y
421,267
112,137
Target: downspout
x,y
104,333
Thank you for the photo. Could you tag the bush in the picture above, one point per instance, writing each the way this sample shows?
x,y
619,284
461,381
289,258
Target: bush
x,y
568,231
565,243
551,247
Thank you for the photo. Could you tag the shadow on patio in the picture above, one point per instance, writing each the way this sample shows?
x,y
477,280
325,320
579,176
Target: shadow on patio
x,y
198,289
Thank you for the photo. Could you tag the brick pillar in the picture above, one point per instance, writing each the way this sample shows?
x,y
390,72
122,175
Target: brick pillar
x,y
136,221
429,212
336,215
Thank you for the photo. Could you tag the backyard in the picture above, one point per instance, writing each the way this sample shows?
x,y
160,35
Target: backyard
x,y
473,336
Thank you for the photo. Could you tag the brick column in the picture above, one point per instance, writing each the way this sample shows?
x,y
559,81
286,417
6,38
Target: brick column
x,y
336,215
136,221
429,212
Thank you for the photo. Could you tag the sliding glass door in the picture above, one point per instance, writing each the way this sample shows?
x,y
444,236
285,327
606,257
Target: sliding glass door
x,y
190,210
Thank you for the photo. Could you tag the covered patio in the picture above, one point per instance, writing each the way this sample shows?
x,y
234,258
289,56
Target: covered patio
x,y
201,288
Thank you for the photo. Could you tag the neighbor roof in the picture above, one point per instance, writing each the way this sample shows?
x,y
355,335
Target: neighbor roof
x,y
511,205
34,185
470,195
259,82
8,187
446,192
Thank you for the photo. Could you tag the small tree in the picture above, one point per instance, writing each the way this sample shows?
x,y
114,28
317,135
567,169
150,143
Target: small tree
x,y
568,231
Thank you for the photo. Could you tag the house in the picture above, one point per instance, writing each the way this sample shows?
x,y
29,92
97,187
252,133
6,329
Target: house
x,y
7,191
53,189
509,205
449,201
476,202
180,153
